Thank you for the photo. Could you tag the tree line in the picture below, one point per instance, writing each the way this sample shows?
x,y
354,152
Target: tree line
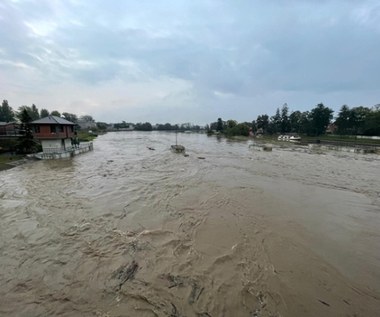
x,y
349,121
7,114
147,126
354,121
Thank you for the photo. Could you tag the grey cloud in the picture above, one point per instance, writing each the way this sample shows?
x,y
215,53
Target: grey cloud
x,y
244,50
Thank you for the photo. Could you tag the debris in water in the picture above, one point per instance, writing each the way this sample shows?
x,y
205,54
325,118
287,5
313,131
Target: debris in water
x,y
174,312
174,280
125,273
201,157
151,148
196,292
324,303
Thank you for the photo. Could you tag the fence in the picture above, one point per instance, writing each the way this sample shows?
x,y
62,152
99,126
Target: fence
x,y
60,150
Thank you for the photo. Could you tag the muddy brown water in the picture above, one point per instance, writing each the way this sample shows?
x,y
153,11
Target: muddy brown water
x,y
128,231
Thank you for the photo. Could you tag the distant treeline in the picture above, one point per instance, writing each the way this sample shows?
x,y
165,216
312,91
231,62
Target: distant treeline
x,y
317,121
31,113
147,126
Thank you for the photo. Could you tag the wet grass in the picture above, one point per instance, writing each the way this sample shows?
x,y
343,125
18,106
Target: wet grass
x,y
85,136
5,159
344,139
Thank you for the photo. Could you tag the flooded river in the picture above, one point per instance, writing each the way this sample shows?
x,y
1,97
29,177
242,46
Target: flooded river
x,y
128,231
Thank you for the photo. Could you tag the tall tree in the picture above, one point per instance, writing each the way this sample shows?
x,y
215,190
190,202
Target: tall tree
x,y
343,120
285,123
254,126
295,121
25,142
44,113
358,117
55,113
320,117
86,118
275,123
32,112
262,122
70,117
147,126
35,115
372,122
6,112
220,125
231,123
305,123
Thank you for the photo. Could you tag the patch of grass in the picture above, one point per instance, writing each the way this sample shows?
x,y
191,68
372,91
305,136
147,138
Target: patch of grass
x,y
342,139
85,136
8,158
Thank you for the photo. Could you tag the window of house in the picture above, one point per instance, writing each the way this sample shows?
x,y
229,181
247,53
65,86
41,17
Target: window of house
x,y
37,129
53,128
60,128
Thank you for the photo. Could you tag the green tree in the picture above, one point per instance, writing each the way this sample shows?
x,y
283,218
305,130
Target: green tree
x,y
262,122
70,117
25,143
319,117
254,126
101,126
285,123
295,121
220,125
305,123
6,112
358,119
372,122
343,121
44,113
231,123
86,118
55,113
275,123
34,113
237,129
144,126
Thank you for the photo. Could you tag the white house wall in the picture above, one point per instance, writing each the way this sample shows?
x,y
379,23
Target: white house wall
x,y
50,144
67,143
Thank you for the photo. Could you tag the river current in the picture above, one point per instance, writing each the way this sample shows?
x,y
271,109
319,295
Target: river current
x,y
230,230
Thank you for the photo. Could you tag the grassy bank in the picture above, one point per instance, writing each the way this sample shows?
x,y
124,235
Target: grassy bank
x,y
345,139
85,136
5,159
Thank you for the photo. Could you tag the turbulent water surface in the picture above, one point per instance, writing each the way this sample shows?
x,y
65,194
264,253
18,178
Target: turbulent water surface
x,y
227,231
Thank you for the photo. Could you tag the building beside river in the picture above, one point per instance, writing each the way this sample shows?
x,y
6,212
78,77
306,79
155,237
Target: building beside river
x,y
58,138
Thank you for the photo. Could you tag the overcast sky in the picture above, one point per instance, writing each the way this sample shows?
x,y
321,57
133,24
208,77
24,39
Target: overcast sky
x,y
188,60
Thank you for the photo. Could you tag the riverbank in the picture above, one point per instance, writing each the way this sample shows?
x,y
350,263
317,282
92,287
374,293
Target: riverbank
x,y
326,142
8,161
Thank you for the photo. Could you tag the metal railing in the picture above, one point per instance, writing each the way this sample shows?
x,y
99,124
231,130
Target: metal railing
x,y
60,150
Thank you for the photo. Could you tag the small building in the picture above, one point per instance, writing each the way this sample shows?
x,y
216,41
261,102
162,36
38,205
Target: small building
x,y
54,133
58,138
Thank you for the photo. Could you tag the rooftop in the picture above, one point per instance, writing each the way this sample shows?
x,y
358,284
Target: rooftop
x,y
52,120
